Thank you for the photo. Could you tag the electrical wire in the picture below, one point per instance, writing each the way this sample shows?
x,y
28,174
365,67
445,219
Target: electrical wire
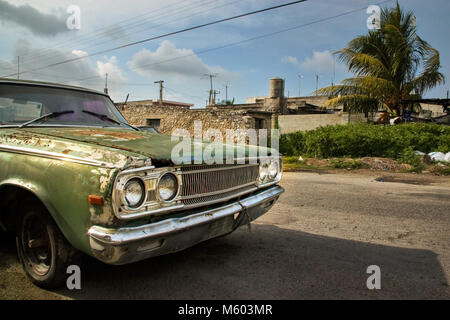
x,y
159,37
183,10
100,31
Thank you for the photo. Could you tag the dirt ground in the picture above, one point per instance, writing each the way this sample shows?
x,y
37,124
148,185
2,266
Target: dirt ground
x,y
316,243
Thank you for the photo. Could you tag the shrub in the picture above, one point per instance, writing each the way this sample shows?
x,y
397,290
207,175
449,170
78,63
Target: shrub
x,y
362,140
348,164
409,157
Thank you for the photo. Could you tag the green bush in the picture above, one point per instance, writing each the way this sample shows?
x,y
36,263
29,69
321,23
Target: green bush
x,y
362,140
409,157
348,164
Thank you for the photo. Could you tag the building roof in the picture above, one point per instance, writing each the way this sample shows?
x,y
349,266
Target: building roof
x,y
156,102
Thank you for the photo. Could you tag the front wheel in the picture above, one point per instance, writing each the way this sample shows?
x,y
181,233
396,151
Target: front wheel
x,y
44,252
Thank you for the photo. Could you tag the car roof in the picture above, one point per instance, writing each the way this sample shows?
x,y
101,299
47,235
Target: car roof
x,y
48,85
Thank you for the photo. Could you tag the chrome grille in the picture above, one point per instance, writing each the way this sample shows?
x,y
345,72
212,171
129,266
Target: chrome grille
x,y
191,202
216,180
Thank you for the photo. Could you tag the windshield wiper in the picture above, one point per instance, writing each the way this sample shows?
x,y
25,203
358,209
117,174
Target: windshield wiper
x,y
46,117
105,117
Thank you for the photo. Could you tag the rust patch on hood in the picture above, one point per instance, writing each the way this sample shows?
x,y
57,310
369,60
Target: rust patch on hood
x,y
99,132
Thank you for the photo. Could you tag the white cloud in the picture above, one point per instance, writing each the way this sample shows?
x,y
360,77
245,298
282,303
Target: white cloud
x,y
321,61
79,53
115,76
178,64
290,59
68,73
110,67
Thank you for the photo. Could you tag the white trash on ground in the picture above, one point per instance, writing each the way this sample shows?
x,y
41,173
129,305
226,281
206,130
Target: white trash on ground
x,y
438,156
447,157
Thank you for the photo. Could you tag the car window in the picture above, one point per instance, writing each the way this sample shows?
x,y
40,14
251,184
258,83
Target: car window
x,y
22,103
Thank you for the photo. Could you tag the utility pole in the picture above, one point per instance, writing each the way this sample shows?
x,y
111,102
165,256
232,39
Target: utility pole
x,y
106,84
18,67
317,83
160,91
215,92
334,71
211,91
299,83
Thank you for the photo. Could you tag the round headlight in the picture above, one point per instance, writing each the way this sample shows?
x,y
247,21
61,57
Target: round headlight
x,y
168,187
273,170
263,171
134,193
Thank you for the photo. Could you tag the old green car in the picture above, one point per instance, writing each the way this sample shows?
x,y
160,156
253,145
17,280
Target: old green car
x,y
76,177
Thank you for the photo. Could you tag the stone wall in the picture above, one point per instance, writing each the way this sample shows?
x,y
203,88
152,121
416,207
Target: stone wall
x,y
293,123
173,117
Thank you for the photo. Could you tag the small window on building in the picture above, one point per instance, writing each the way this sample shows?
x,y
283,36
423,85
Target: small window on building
x,y
260,124
155,123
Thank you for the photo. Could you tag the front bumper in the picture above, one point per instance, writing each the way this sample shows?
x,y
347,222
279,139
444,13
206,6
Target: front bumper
x,y
126,245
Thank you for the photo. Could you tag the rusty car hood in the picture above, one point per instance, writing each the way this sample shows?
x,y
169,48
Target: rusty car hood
x,y
157,147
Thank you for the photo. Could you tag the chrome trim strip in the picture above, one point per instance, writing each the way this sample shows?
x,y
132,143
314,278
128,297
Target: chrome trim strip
x,y
54,156
137,170
125,235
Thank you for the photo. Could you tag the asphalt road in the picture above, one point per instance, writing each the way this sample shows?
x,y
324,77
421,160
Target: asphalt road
x,y
316,243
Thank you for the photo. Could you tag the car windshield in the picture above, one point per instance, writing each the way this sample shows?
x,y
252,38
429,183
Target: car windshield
x,y
20,104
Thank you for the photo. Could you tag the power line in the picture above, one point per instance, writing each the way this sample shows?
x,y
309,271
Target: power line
x,y
94,38
100,31
225,46
262,36
175,20
162,36
184,94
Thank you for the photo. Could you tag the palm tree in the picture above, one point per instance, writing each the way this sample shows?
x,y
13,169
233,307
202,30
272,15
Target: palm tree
x,y
390,64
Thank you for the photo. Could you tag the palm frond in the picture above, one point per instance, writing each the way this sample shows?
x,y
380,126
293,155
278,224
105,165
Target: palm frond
x,y
389,65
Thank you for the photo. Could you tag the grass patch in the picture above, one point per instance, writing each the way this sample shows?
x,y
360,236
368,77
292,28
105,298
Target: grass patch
x,y
442,170
348,164
293,163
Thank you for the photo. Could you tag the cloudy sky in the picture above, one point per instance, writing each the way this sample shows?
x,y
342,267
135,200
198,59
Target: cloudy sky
x,y
244,53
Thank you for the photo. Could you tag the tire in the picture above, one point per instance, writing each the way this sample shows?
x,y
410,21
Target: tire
x,y
43,251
